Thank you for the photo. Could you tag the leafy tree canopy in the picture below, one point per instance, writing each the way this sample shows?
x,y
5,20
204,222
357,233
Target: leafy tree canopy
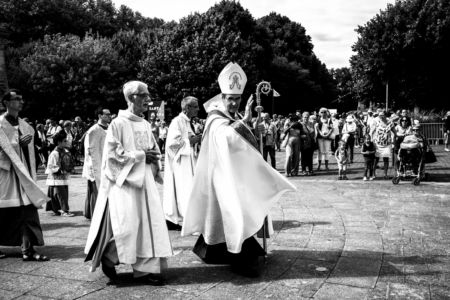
x,y
27,20
67,75
407,46
188,58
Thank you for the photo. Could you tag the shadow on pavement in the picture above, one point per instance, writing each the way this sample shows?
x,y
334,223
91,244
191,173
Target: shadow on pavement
x,y
302,264
439,177
62,252
54,226
55,252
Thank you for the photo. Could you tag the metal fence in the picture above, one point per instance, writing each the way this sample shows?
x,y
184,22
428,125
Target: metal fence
x,y
434,132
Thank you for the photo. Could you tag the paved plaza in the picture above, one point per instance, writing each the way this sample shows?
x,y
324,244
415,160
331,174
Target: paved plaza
x,y
333,240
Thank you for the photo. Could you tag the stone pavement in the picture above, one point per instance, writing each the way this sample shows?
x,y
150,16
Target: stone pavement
x,y
333,240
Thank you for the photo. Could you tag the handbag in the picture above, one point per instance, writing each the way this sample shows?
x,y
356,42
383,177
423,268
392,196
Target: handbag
x,y
430,157
315,145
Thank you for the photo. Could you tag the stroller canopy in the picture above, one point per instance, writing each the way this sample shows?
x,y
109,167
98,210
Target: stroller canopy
x,y
410,142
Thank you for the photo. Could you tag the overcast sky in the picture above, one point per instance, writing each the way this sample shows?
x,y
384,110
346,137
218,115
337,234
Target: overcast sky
x,y
330,23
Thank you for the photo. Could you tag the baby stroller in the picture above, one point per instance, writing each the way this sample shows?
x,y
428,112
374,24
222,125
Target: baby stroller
x,y
411,161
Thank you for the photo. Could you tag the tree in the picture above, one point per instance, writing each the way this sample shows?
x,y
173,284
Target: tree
x,y
132,46
68,75
28,20
188,58
405,45
295,71
347,98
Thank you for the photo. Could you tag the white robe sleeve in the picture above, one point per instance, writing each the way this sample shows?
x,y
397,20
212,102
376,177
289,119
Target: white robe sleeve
x,y
53,165
88,168
177,142
118,161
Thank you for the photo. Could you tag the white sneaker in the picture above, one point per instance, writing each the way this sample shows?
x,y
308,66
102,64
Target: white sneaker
x,y
446,149
372,178
365,178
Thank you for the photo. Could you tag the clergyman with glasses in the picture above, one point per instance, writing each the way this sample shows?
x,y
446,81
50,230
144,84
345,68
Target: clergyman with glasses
x,y
128,225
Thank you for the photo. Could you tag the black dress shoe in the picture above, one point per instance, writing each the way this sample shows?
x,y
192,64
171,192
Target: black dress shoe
x,y
110,272
151,279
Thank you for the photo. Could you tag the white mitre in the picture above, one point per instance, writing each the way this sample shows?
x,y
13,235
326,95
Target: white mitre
x,y
232,80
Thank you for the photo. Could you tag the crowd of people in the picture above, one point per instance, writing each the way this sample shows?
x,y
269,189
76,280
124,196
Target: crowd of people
x,y
308,138
217,185
378,133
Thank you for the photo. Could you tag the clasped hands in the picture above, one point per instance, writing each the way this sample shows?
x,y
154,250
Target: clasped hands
x,y
24,140
152,156
195,138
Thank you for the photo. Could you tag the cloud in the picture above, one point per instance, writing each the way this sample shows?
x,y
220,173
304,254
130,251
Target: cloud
x,y
325,37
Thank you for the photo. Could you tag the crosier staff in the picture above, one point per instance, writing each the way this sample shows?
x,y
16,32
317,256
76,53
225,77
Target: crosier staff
x,y
265,88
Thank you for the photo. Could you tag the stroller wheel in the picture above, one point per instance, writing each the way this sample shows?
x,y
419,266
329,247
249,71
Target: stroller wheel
x,y
396,180
416,181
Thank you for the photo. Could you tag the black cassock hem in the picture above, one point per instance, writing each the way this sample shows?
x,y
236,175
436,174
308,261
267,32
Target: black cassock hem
x,y
218,253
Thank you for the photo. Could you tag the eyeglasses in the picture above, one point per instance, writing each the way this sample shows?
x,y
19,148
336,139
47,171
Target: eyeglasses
x,y
144,95
16,98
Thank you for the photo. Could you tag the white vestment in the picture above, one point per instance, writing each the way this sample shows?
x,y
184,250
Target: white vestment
x,y
128,186
179,167
17,173
93,151
233,188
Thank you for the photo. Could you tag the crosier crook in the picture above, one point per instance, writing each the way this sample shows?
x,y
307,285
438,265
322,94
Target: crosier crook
x,y
265,88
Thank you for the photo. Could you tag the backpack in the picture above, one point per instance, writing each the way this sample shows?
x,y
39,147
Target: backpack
x,y
330,127
66,161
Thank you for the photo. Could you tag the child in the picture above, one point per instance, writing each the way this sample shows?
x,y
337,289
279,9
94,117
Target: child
x,y
341,156
58,178
368,152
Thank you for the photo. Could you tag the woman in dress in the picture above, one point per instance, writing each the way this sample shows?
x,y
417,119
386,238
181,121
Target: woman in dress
x,y
383,140
324,129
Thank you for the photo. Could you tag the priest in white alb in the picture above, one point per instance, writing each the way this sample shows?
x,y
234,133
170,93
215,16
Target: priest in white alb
x,y
179,162
20,196
128,225
94,141
233,188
